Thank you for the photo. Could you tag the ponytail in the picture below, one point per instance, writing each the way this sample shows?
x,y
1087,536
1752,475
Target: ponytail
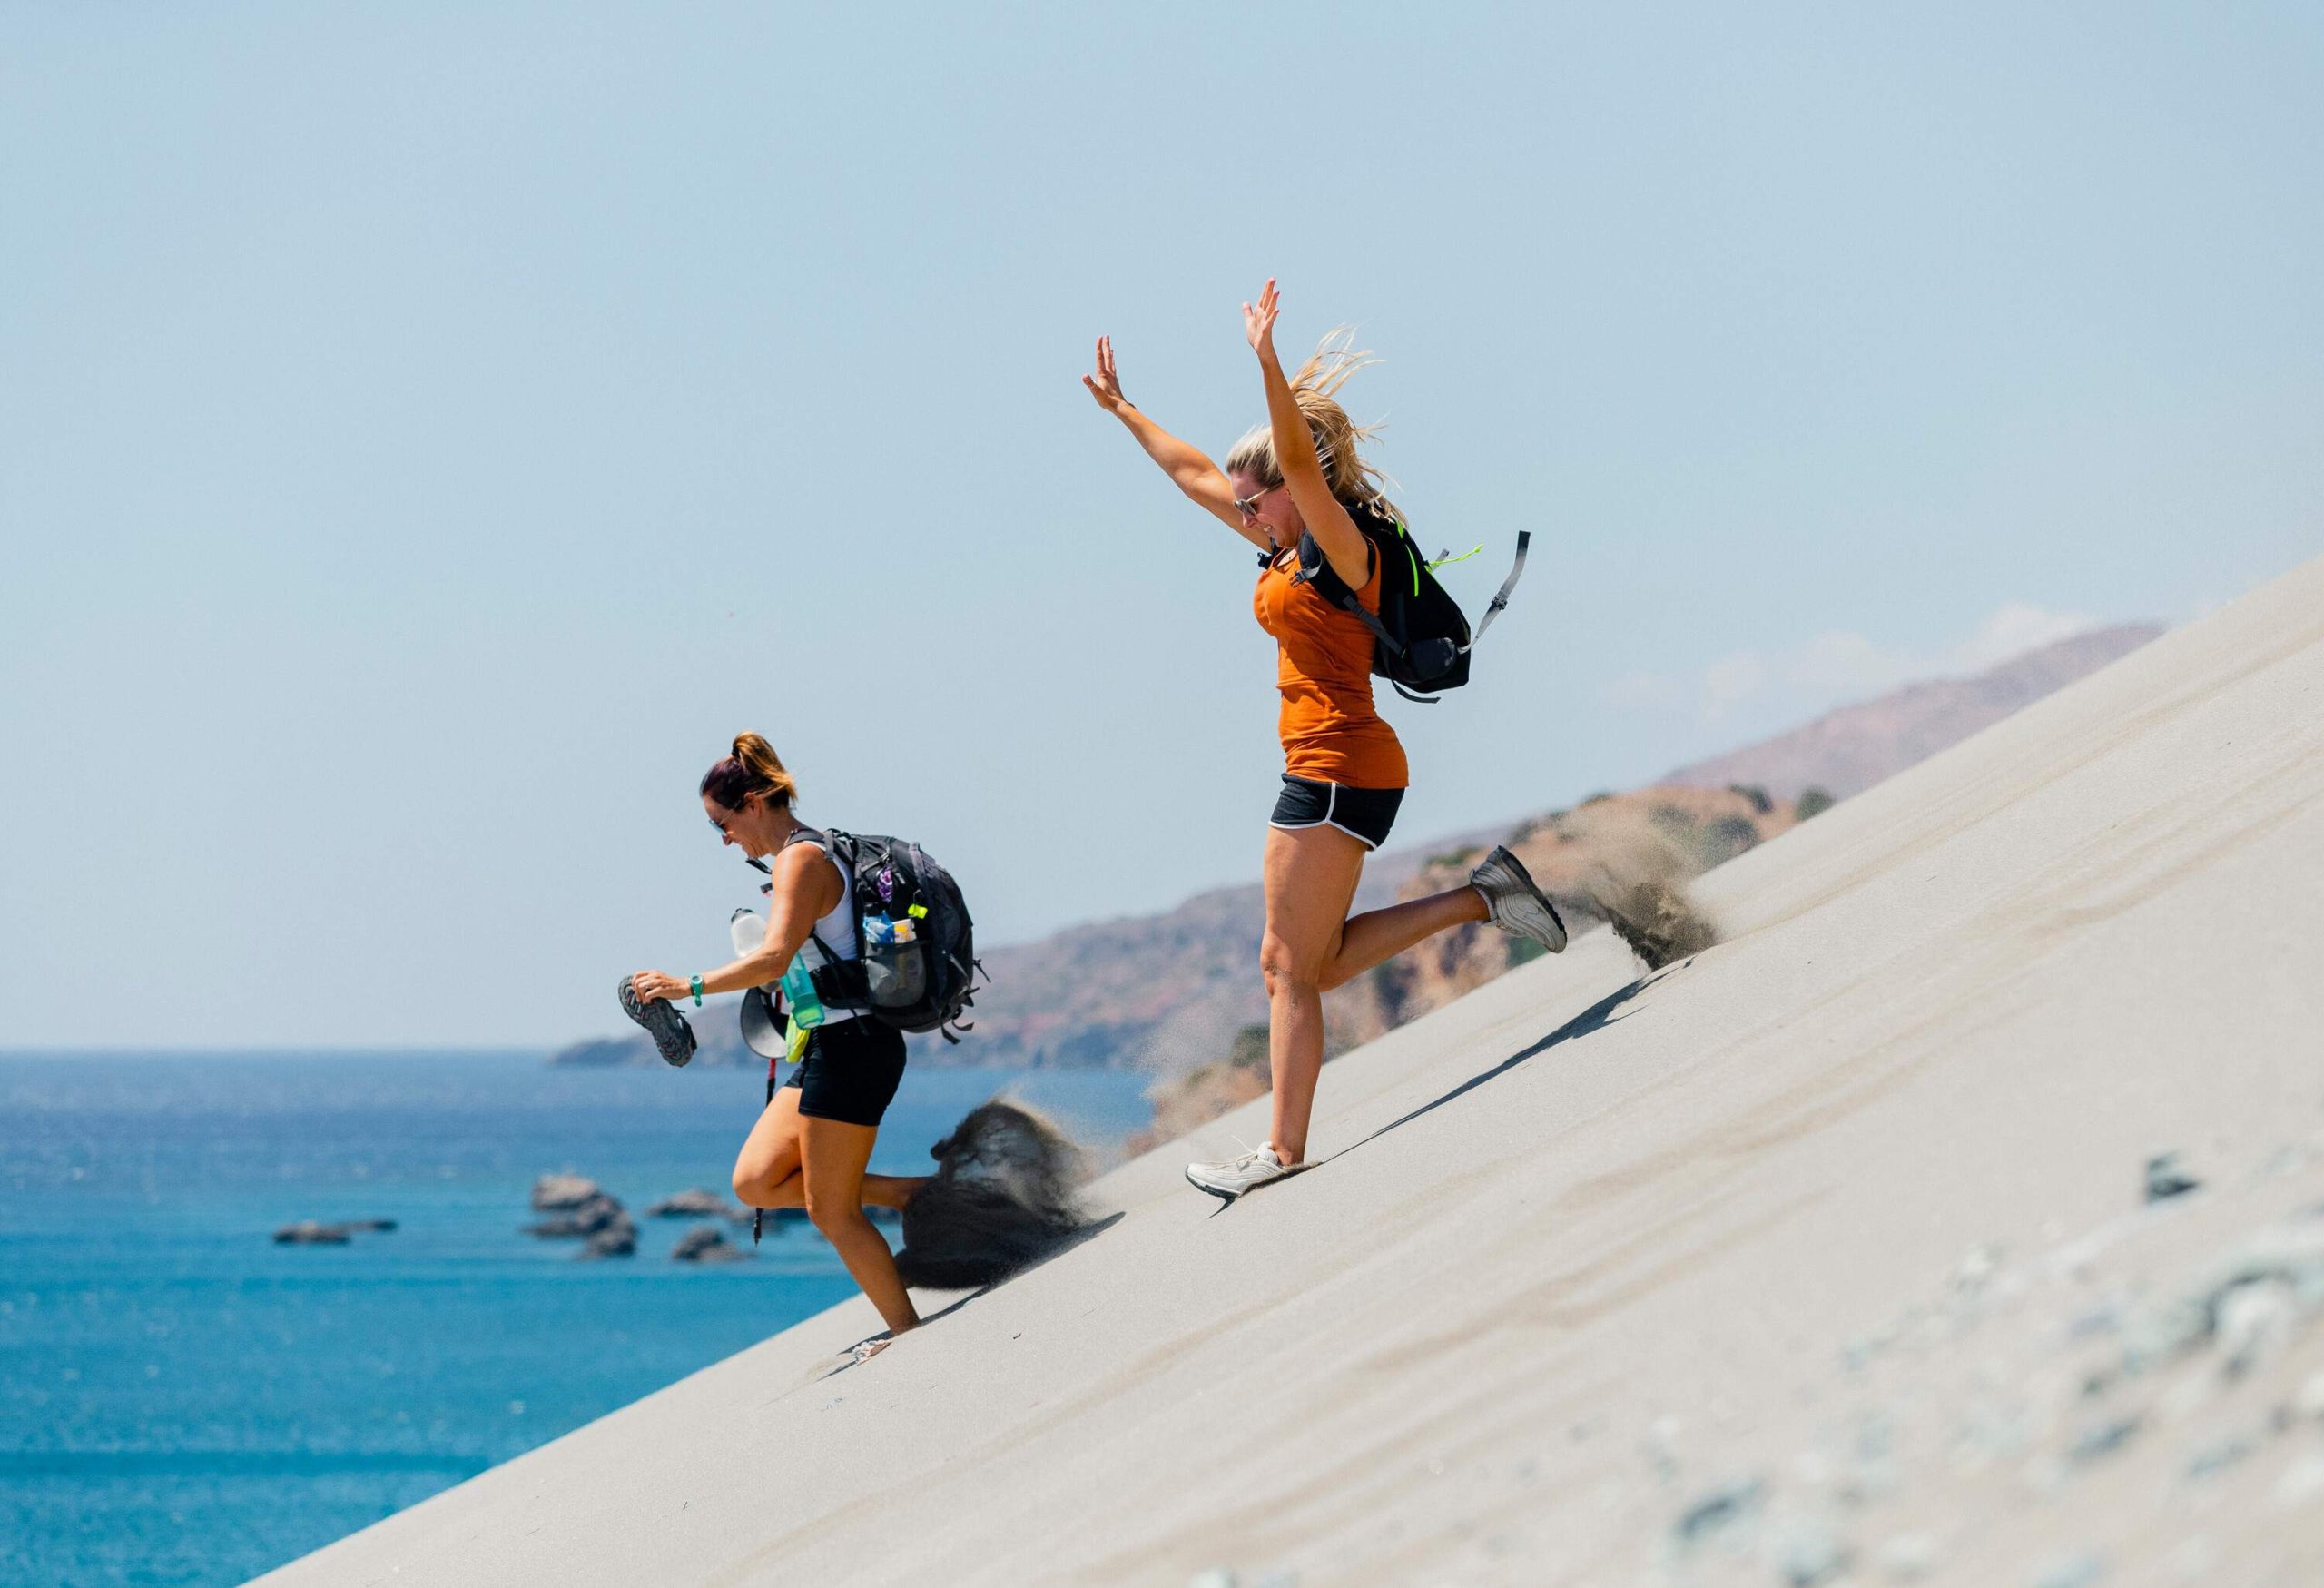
x,y
753,769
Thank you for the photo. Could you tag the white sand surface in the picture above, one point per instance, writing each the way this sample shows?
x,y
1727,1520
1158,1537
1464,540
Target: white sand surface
x,y
1821,1257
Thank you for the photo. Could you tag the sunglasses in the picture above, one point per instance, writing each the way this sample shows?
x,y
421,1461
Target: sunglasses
x,y
1249,506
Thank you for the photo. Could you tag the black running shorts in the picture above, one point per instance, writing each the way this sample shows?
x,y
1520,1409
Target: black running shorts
x,y
1363,814
850,1071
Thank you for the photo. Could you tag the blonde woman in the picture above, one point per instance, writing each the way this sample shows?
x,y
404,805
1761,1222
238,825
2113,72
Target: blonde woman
x,y
809,1146
1301,477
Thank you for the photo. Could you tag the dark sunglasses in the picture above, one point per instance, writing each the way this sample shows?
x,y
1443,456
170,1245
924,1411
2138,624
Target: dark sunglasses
x,y
1249,506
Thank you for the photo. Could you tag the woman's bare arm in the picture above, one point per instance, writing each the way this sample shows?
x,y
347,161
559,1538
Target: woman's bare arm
x,y
1188,467
1294,453
806,889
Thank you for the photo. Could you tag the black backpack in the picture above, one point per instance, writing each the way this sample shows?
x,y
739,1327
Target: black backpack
x,y
922,985
1419,637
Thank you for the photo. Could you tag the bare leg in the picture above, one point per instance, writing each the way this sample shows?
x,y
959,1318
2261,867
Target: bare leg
x,y
833,1155
1310,875
1379,935
766,1172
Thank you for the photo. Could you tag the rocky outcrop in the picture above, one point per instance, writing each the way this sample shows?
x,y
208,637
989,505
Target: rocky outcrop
x,y
551,1192
308,1232
1848,751
705,1245
699,1203
585,1211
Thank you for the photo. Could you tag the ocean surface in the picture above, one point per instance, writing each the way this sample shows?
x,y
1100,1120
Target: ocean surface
x,y
184,1402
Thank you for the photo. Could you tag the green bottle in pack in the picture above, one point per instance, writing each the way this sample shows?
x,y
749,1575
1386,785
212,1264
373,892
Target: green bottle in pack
x,y
799,994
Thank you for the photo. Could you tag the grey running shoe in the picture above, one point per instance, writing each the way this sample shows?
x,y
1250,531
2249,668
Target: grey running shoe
x,y
1230,1179
672,1038
1518,906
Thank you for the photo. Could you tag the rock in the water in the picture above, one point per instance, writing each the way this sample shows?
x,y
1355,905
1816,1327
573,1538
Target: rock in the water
x,y
307,1232
381,1225
551,1192
597,1213
618,1239
705,1245
1003,1197
698,1204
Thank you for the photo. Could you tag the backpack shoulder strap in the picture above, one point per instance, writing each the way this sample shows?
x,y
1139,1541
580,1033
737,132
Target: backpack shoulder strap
x,y
1315,569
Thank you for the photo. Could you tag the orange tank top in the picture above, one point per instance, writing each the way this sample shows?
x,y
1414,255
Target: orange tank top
x,y
1330,731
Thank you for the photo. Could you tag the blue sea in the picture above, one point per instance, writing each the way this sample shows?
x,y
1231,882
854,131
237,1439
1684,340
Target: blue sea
x,y
184,1402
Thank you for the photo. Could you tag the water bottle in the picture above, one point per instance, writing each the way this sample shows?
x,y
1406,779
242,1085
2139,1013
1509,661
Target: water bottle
x,y
799,994
749,930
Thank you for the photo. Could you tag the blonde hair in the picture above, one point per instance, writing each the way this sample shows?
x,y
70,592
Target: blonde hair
x,y
753,769
1355,482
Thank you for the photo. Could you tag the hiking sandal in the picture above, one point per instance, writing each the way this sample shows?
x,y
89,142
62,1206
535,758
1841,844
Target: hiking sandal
x,y
672,1038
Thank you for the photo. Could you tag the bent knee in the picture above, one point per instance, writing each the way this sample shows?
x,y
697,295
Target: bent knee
x,y
755,1187
1285,970
830,1217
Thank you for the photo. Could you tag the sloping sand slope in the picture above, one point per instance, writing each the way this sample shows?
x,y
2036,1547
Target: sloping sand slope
x,y
1823,1256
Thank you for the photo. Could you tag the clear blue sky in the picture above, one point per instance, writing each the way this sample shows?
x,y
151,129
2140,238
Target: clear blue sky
x,y
429,433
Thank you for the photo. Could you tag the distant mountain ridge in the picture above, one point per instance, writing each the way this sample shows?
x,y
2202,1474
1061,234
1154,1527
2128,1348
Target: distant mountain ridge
x,y
1846,751
1170,990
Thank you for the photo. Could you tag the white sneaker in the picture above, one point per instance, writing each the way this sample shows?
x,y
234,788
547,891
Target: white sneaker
x,y
1230,1179
1518,906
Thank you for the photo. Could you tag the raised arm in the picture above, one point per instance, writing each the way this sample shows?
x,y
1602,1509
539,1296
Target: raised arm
x,y
1189,468
1294,453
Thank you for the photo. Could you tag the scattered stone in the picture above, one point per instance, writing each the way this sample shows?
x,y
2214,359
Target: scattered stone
x,y
2105,1318
698,1204
705,1244
1715,1512
1907,1557
551,1192
2081,1571
2102,1440
2165,1180
2220,1455
2255,1322
1975,1268
1806,1550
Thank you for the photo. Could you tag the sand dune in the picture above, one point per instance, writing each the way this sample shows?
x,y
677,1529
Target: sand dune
x,y
1824,1255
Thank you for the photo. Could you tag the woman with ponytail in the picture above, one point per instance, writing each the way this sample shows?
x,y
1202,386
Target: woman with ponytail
x,y
812,1142
1300,478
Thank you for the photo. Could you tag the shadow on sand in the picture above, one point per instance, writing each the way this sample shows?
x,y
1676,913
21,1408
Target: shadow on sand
x,y
1597,1017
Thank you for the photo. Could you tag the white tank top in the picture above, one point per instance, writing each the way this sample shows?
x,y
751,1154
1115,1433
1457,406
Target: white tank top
x,y
836,931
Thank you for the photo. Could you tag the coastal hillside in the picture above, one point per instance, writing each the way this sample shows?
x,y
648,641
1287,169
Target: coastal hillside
x,y
1170,991
1846,752
1955,1220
